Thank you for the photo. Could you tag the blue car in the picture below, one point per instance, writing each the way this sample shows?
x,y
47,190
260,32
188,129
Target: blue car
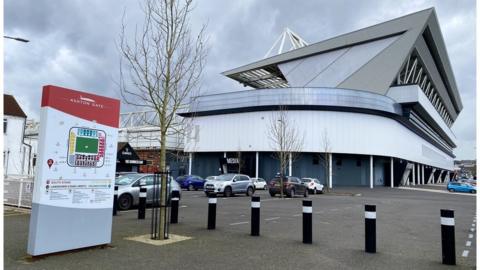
x,y
190,182
461,187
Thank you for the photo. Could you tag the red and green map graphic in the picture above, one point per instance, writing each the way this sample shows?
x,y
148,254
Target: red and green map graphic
x,y
86,147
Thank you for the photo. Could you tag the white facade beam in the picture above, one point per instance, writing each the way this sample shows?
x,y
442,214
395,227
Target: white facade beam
x,y
371,171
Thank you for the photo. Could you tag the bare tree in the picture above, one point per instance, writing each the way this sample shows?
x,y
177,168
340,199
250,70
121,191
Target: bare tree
x,y
241,162
164,66
285,140
325,157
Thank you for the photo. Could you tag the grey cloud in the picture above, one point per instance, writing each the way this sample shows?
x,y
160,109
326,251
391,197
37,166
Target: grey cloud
x,y
73,43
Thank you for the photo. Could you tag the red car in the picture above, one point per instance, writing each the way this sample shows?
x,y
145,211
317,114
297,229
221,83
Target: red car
x,y
291,186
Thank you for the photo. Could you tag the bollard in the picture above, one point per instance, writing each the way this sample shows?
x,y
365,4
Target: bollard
x,y
212,211
142,203
370,229
255,228
115,200
447,221
174,209
307,221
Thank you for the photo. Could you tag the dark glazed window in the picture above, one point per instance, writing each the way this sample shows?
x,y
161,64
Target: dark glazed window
x,y
359,162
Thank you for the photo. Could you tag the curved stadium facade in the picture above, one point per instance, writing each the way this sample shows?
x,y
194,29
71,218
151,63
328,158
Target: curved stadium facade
x,y
384,97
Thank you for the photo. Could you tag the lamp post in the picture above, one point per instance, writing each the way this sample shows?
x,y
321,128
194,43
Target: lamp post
x,y
17,39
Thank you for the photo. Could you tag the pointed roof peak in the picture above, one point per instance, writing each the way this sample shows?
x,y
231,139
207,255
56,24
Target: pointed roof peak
x,y
295,42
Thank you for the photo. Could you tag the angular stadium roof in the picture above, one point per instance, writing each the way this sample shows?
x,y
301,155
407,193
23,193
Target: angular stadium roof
x,y
368,59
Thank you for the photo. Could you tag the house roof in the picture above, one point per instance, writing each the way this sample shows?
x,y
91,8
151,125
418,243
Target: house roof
x,y
11,107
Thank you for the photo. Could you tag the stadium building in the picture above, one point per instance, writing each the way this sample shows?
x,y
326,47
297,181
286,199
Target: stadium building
x,y
383,97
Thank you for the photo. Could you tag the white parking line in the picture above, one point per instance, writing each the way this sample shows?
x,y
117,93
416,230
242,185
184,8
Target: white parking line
x,y
334,209
273,218
238,223
465,253
468,243
470,236
183,206
319,212
436,191
473,225
297,215
472,229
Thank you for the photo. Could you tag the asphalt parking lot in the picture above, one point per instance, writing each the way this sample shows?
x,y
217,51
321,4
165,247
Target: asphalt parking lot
x,y
408,235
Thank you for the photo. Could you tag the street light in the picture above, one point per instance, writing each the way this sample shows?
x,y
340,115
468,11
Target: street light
x,y
17,39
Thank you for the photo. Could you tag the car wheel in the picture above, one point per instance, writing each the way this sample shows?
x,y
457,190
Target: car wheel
x,y
451,190
272,194
249,191
206,194
265,187
227,192
473,191
124,202
291,194
190,187
305,194
314,191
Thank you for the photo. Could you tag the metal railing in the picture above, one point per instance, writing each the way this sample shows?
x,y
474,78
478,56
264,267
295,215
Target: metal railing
x,y
18,191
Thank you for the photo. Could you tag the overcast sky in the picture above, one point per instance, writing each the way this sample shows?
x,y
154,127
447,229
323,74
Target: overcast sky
x,y
73,43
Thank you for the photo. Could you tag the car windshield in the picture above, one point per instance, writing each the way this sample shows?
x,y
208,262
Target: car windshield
x,y
211,178
305,180
225,177
127,179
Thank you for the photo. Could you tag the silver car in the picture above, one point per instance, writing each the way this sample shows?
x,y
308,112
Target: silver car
x,y
229,184
129,188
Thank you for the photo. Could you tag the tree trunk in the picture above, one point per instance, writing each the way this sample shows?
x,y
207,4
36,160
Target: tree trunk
x,y
163,188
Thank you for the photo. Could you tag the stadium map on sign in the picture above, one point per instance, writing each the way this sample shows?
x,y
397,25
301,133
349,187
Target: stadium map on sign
x,y
86,147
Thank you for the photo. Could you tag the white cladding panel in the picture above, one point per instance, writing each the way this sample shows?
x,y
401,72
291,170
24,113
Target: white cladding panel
x,y
352,133
332,68
413,94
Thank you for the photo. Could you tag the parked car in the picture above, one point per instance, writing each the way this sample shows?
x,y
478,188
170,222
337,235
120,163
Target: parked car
x,y
190,182
291,186
313,185
468,181
259,183
229,184
461,187
129,189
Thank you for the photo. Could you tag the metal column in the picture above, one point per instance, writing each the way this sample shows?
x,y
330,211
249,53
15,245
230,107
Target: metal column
x,y
330,170
371,171
391,172
256,165
290,164
189,163
413,174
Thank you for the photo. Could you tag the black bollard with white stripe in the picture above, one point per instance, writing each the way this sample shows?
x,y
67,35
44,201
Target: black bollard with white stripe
x,y
115,200
370,229
255,228
142,203
212,211
307,221
174,208
447,221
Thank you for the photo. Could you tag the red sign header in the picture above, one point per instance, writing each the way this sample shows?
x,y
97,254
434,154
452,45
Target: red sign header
x,y
102,110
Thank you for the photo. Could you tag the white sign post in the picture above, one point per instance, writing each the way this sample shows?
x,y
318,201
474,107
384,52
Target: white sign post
x,y
74,183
